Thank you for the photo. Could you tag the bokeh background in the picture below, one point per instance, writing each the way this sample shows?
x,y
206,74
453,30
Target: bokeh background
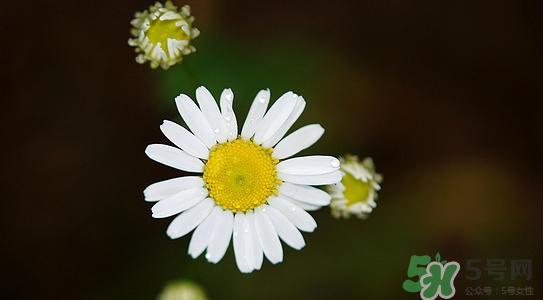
x,y
446,96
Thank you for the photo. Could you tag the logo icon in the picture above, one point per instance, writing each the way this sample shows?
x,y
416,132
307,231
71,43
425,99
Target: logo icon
x,y
436,278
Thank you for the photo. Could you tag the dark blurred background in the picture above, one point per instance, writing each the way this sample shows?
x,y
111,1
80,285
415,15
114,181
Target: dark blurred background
x,y
446,96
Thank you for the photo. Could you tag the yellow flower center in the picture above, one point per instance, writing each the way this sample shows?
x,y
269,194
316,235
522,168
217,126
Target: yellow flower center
x,y
241,175
356,190
159,32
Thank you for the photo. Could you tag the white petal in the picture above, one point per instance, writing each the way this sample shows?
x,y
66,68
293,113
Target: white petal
x,y
298,141
285,229
178,202
256,112
169,15
308,165
246,245
299,217
195,120
254,250
174,157
172,48
303,205
202,234
189,219
211,112
183,139
219,241
304,193
323,179
268,237
298,109
229,117
240,252
275,117
163,189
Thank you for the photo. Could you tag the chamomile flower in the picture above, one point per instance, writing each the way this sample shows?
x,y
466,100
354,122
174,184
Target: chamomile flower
x,y
357,191
162,35
249,190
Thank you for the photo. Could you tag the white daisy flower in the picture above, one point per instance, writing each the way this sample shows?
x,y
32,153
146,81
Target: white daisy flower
x,y
163,34
248,191
357,191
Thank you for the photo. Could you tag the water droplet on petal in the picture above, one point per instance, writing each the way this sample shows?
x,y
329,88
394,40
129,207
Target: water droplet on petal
x,y
228,118
264,209
293,208
262,100
216,130
208,256
235,233
246,230
334,163
229,97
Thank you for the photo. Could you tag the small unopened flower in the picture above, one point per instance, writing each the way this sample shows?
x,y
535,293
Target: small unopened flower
x,y
182,290
162,34
249,189
357,191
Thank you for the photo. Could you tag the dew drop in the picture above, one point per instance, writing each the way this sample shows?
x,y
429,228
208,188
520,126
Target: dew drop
x,y
246,230
228,118
293,208
334,163
229,97
262,100
216,130
252,121
235,233
208,256
264,209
